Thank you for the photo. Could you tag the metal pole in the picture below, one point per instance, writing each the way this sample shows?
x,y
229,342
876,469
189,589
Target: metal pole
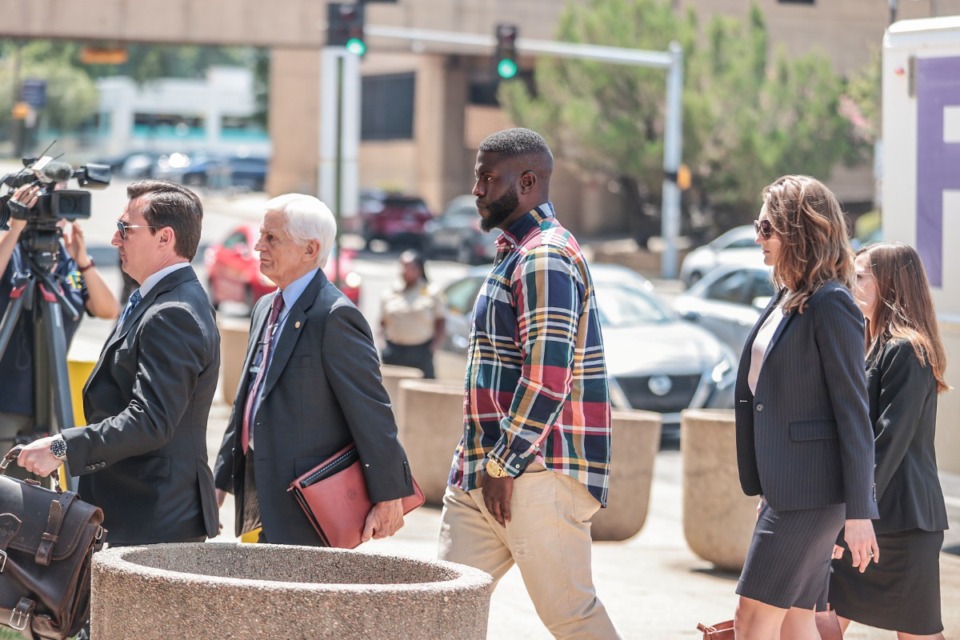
x,y
672,148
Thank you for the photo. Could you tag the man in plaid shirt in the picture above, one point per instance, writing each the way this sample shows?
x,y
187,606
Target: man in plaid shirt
x,y
534,462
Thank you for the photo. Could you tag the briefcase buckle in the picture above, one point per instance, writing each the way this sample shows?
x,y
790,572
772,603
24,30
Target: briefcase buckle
x,y
19,619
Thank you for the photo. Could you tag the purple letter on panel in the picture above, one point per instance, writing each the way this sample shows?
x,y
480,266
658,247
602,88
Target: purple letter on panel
x,y
938,162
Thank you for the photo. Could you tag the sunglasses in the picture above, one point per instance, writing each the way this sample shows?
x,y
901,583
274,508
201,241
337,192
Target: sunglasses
x,y
764,228
123,226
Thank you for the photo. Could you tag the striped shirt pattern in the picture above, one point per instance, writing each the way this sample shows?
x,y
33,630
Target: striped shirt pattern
x,y
536,383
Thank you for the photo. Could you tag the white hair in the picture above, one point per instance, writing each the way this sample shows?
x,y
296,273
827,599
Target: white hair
x,y
307,219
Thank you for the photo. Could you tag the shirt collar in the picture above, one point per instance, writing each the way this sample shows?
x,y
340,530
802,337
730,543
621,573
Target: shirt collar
x,y
153,279
516,232
296,288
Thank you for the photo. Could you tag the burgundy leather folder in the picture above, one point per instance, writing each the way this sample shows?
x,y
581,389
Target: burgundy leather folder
x,y
334,497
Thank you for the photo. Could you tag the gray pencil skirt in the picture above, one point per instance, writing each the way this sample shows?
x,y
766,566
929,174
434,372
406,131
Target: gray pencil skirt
x,y
788,564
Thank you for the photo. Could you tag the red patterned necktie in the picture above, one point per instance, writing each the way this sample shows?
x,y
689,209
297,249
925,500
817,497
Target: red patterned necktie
x,y
266,341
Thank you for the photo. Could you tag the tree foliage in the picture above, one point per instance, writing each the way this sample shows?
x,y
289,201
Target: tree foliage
x,y
71,92
751,113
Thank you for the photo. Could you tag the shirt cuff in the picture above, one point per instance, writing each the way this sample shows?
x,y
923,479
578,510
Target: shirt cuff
x,y
513,462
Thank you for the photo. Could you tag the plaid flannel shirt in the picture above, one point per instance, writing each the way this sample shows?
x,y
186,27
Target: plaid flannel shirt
x,y
536,383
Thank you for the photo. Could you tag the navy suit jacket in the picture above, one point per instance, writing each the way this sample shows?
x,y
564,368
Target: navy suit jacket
x,y
322,391
143,459
804,440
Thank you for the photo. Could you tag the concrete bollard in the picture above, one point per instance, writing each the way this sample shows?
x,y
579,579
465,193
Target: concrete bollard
x,y
430,426
718,519
213,591
636,440
234,334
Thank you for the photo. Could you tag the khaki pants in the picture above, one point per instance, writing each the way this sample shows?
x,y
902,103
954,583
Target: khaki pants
x,y
548,537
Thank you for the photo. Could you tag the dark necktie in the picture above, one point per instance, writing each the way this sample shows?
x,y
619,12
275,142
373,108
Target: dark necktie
x,y
266,340
132,302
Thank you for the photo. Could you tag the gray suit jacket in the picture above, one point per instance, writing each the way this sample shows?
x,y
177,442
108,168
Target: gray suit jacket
x,y
804,440
143,457
323,390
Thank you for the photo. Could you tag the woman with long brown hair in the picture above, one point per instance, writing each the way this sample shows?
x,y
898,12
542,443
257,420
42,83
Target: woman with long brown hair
x,y
905,374
804,442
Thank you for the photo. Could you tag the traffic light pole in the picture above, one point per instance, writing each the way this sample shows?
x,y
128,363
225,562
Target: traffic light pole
x,y
671,60
339,134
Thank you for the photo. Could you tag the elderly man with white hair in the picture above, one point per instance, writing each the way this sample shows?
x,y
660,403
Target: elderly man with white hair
x,y
311,386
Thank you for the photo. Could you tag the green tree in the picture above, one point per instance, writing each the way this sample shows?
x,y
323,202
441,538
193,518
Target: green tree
x,y
750,114
71,94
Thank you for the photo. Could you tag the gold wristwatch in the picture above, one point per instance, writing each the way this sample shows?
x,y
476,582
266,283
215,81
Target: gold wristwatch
x,y
495,469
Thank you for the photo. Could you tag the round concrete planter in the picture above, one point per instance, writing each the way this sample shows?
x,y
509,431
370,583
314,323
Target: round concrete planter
x,y
234,334
215,591
430,420
718,519
636,440
392,377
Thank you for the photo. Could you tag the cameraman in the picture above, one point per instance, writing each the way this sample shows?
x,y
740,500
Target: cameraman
x,y
82,285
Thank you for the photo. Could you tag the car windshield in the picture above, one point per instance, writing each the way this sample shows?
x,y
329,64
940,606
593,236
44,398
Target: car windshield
x,y
627,305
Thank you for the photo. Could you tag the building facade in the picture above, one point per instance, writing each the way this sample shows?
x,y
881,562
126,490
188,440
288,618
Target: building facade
x,y
427,105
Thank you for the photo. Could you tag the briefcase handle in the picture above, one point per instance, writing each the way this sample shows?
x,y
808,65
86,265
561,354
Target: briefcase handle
x,y
13,454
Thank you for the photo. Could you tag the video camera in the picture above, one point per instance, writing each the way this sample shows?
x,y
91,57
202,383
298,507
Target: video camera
x,y
52,204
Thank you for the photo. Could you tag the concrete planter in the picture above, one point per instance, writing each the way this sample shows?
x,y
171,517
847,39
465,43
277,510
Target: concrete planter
x,y
636,440
268,591
233,350
718,519
430,419
392,377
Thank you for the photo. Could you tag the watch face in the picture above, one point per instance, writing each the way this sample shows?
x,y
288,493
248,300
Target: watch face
x,y
494,470
58,448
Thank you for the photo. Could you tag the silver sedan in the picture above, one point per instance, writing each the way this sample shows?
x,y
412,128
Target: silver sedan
x,y
655,361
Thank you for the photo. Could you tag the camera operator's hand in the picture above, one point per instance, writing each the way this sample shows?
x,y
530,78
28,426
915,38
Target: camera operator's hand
x,y
76,244
24,199
36,457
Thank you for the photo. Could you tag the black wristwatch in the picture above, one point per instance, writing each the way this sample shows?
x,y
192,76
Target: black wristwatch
x,y
58,447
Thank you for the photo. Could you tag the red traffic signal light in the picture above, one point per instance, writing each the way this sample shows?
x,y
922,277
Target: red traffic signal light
x,y
506,56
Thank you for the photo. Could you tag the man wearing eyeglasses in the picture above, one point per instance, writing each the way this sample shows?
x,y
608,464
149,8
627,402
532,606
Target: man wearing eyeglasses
x,y
143,457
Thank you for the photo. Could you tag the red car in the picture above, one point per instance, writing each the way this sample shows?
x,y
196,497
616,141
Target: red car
x,y
233,270
393,218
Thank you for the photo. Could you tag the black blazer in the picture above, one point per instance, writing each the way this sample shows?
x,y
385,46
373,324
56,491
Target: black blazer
x,y
903,410
143,457
804,440
323,390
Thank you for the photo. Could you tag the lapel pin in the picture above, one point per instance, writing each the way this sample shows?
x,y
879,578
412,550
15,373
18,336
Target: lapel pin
x,y
297,326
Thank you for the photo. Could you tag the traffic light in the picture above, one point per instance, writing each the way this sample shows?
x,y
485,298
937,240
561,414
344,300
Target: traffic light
x,y
507,50
345,26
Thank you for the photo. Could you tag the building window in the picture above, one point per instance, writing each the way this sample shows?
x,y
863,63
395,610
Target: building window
x,y
387,112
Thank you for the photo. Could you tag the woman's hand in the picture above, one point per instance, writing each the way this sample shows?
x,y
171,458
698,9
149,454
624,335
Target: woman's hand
x,y
860,539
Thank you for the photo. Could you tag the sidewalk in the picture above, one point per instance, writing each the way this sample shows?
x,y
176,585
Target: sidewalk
x,y
652,585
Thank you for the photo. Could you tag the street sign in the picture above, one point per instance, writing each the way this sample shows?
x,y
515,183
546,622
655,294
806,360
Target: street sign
x,y
33,91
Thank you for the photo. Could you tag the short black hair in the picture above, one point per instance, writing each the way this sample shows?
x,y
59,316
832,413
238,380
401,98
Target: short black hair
x,y
514,143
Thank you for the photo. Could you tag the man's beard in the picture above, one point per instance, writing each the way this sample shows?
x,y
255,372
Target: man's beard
x,y
500,209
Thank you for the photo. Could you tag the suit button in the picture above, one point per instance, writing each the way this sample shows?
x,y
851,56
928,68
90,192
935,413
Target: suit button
x,y
759,406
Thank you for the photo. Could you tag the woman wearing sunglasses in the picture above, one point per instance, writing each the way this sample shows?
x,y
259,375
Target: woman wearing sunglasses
x,y
905,373
804,441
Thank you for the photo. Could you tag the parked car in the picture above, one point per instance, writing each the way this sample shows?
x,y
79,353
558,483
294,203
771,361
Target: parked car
x,y
218,172
736,246
457,232
233,270
655,361
727,302
394,218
